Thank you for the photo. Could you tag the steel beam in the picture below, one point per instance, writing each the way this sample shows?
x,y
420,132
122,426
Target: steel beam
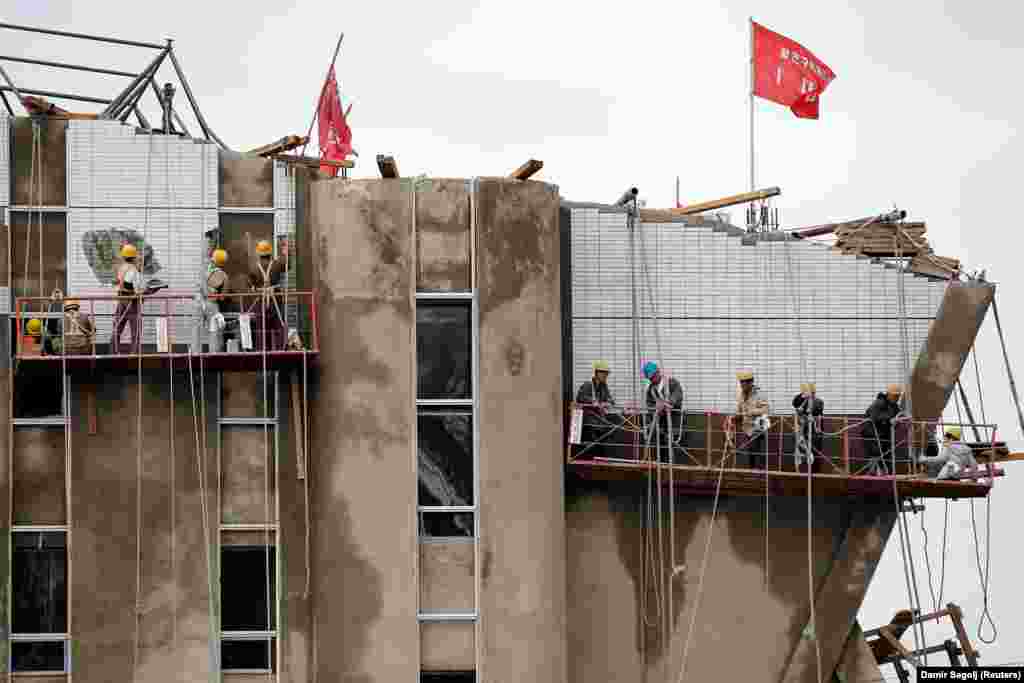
x,y
128,93
7,105
83,36
63,65
61,95
195,106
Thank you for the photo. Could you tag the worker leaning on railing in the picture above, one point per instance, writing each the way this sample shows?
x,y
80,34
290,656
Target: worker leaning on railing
x,y
752,416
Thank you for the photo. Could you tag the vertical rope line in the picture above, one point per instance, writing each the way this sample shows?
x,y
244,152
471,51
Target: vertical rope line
x,y
174,526
305,451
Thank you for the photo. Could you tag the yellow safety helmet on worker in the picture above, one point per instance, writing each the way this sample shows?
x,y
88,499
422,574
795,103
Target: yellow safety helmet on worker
x,y
953,432
34,327
129,251
264,248
219,257
601,366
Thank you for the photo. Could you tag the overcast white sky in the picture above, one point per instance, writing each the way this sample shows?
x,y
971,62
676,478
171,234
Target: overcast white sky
x,y
924,114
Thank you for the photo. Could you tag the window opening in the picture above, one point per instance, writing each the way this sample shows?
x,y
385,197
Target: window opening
x,y
247,637
39,601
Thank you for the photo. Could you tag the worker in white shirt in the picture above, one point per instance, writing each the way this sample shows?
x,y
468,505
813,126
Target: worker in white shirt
x,y
954,455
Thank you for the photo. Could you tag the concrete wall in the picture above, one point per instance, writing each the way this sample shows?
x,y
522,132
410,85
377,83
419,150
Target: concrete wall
x,y
362,427
626,623
522,534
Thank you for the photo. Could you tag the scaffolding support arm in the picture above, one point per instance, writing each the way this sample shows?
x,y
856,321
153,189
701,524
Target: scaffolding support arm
x,y
1009,372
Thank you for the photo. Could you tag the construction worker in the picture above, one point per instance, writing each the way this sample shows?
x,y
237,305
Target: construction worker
x,y
32,341
129,311
809,410
953,457
752,415
265,278
76,332
664,401
208,315
878,428
599,420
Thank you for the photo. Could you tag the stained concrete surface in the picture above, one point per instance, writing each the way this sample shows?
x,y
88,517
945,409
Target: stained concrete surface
x,y
443,235
248,485
857,663
363,472
619,558
446,574
25,245
950,338
522,532
449,647
246,182
5,495
39,467
239,235
52,166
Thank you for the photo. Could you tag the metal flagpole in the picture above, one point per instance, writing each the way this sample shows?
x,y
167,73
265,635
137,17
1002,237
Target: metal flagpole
x,y
337,48
677,192
750,27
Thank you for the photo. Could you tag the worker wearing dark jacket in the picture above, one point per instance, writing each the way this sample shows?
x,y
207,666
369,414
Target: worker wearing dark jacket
x,y
877,430
664,399
265,279
809,411
595,398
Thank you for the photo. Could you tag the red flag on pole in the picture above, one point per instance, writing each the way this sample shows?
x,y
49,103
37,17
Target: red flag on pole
x,y
787,73
335,135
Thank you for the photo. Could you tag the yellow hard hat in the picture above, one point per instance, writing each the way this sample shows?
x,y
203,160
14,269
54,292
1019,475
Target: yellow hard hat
x,y
219,257
34,327
955,432
129,251
72,303
808,388
744,375
601,366
894,389
264,248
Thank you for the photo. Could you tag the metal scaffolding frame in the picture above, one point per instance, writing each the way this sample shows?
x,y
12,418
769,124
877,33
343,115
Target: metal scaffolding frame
x,y
126,102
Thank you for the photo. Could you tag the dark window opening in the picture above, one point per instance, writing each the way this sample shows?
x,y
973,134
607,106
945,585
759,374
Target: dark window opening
x,y
445,457
253,655
39,583
37,656
38,388
448,677
446,524
247,588
443,350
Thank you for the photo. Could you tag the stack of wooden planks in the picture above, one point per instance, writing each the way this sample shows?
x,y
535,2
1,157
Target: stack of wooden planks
x,y
892,240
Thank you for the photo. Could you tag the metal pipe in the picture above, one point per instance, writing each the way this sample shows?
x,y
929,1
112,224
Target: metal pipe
x,y
11,86
829,228
192,100
7,104
47,93
83,36
64,65
115,106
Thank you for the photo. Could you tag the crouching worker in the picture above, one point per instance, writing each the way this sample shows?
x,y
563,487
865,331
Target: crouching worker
x,y
664,399
599,418
954,456
76,332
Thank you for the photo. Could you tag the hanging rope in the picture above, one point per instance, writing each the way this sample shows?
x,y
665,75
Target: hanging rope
x,y
1009,372
986,614
305,451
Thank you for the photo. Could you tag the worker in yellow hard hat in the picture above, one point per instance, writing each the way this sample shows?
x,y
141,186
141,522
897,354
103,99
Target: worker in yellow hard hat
x,y
752,415
877,431
599,419
265,278
128,313
209,306
954,457
809,442
32,339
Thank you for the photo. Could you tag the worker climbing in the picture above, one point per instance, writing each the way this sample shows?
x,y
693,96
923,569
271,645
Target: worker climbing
x,y
265,278
664,400
129,309
752,416
809,440
209,306
954,457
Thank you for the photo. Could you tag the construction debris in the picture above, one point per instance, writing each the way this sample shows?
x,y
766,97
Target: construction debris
x,y
888,239
388,166
285,144
527,169
40,106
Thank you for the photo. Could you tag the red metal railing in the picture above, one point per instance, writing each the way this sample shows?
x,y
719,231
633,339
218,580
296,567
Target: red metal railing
x,y
268,318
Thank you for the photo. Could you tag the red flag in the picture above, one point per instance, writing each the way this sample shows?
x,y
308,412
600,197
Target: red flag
x,y
335,135
787,73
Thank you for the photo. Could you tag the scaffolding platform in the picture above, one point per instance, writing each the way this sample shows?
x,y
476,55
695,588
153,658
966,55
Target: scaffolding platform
x,y
126,363
703,481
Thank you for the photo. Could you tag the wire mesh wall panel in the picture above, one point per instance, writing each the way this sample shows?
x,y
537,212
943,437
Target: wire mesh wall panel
x,y
174,249
709,302
5,161
284,186
284,231
111,165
